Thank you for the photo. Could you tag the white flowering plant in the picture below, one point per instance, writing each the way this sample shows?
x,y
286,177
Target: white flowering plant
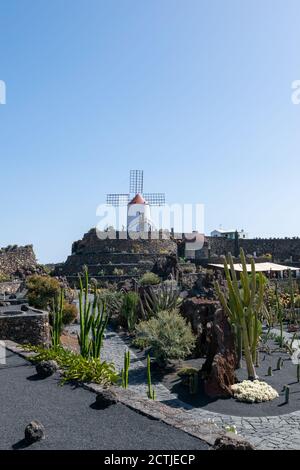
x,y
253,391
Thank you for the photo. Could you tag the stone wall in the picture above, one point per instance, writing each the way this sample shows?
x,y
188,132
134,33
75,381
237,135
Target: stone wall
x,y
280,249
10,287
108,254
18,261
30,327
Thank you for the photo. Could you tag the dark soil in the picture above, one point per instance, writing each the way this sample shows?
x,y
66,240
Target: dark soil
x,y
287,375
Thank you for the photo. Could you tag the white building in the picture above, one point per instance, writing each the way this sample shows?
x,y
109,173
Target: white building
x,y
139,215
230,234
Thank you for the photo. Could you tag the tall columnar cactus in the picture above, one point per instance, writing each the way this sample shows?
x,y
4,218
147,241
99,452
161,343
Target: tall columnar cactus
x,y
56,329
279,316
151,392
292,296
243,304
125,370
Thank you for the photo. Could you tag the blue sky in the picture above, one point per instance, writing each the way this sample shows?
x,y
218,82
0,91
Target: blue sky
x,y
195,92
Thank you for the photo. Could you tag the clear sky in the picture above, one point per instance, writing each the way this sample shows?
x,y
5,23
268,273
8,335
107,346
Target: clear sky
x,y
195,92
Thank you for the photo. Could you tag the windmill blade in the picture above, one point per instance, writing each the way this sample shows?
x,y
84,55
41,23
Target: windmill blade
x,y
155,199
136,182
117,199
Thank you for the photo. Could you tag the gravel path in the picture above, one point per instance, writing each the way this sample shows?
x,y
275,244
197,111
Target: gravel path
x,y
71,419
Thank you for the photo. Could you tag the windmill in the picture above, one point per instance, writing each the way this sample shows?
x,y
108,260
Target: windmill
x,y
138,203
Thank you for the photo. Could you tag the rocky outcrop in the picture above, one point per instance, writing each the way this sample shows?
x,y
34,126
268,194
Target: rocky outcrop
x,y
46,368
200,314
231,443
218,370
167,268
18,261
34,432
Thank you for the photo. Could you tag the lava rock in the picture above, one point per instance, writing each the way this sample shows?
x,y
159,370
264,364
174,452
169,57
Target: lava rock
x,y
231,443
221,360
34,432
106,398
46,368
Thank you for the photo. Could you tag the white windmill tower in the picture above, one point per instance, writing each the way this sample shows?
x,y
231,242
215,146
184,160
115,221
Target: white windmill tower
x,y
138,203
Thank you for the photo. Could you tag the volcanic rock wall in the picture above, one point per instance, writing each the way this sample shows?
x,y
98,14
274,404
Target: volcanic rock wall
x,y
18,261
107,254
280,249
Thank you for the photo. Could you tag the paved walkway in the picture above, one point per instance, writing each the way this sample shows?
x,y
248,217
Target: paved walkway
x,y
274,432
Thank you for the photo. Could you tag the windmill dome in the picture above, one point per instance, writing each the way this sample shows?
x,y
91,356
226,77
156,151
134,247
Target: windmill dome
x,y
138,199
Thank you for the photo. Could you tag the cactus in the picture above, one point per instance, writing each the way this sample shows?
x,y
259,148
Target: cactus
x,y
270,373
279,316
193,383
93,320
292,296
56,329
129,309
257,358
279,363
287,393
125,370
243,305
151,392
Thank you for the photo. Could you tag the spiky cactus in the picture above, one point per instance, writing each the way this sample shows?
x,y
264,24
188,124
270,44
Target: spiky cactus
x,y
287,393
125,370
243,304
93,320
151,392
57,321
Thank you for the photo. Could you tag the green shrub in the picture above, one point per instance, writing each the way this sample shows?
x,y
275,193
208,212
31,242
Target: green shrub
x,y
189,268
129,309
77,368
4,277
150,279
186,371
168,335
118,272
69,313
42,290
112,299
140,343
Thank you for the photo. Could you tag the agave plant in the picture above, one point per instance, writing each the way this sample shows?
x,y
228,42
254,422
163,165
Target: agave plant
x,y
166,298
